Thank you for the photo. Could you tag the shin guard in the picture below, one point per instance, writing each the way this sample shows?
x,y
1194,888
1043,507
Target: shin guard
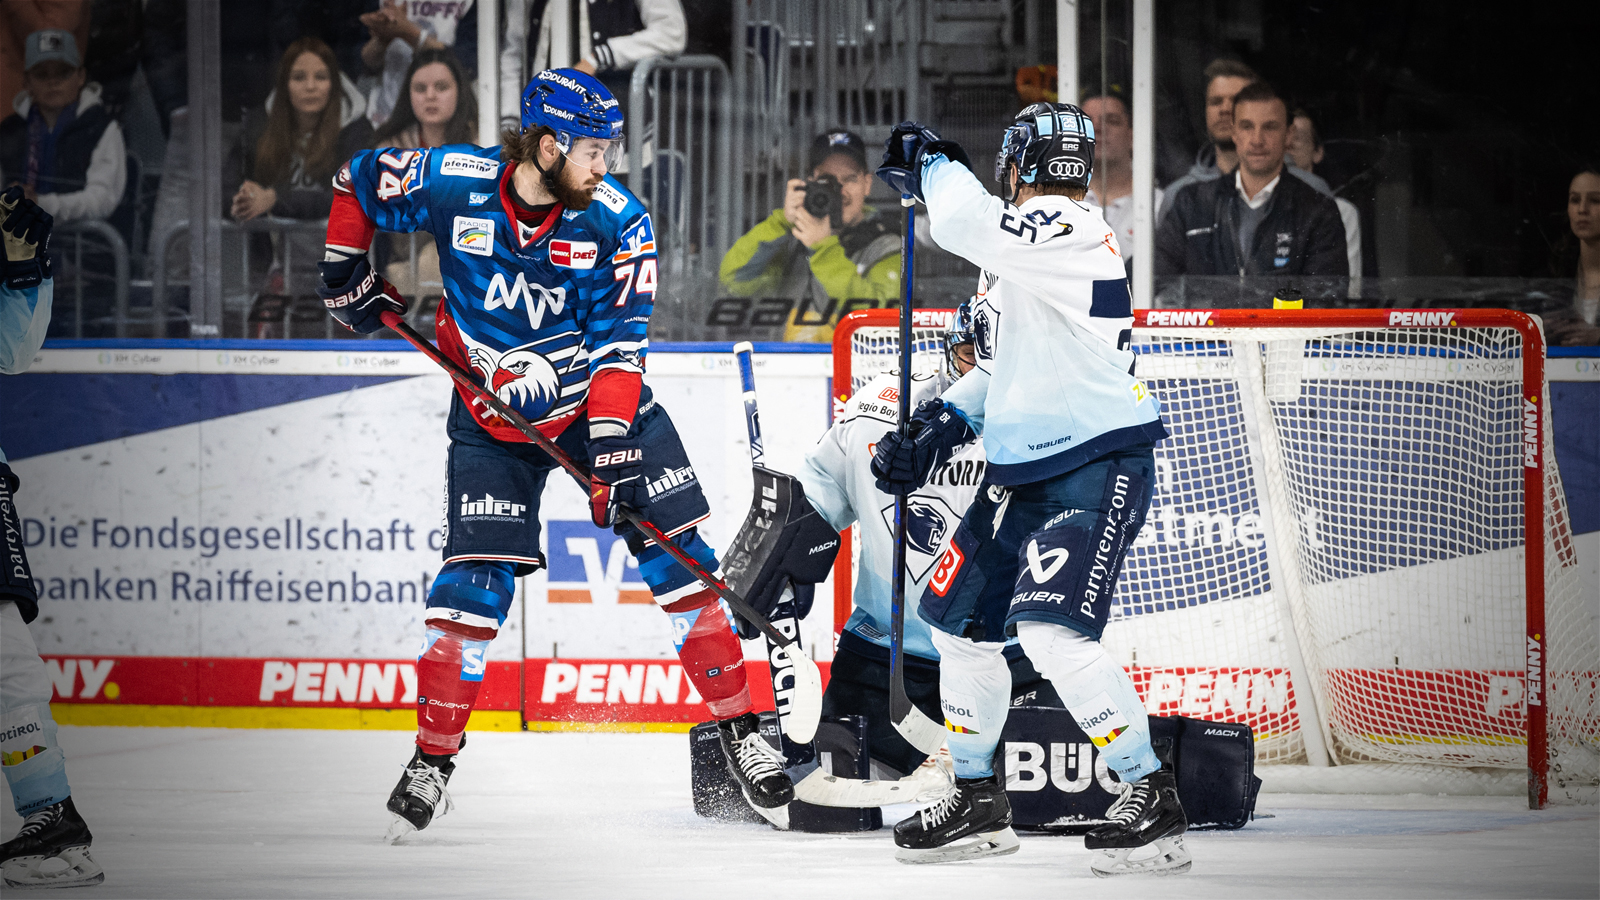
x,y
975,694
712,657
1098,693
466,606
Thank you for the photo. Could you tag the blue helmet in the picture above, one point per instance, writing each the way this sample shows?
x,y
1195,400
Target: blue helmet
x,y
573,105
1048,142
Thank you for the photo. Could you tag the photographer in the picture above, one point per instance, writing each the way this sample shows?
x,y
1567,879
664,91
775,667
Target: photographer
x,y
824,247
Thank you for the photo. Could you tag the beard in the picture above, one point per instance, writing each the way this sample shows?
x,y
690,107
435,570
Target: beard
x,y
567,193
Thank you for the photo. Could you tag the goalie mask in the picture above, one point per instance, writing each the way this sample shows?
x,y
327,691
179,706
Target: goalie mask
x,y
961,330
1049,143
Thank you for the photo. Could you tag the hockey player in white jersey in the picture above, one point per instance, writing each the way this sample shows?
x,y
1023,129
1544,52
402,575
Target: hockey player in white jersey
x,y
1068,432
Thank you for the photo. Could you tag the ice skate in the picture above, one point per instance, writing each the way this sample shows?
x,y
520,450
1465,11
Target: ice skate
x,y
51,850
977,808
1144,834
420,796
757,766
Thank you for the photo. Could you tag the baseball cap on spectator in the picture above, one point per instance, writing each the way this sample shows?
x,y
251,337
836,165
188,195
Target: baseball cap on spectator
x,y
839,141
50,44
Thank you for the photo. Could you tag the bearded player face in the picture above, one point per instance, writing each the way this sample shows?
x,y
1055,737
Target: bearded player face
x,y
586,165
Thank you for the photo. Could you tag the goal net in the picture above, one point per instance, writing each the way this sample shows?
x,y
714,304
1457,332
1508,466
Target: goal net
x,y
1358,545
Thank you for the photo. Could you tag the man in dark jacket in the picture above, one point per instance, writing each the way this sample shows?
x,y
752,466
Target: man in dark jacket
x,y
1257,222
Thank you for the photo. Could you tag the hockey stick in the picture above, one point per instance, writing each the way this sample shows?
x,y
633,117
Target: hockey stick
x,y
783,615
821,789
920,731
801,726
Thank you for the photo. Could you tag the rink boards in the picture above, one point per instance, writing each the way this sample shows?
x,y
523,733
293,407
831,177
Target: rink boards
x,y
230,533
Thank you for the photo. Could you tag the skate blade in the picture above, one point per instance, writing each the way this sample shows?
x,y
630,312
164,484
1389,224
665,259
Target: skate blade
x,y
72,868
983,846
399,828
777,815
1164,856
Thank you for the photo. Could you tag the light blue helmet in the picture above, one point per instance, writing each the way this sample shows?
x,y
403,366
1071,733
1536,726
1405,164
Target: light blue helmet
x,y
572,104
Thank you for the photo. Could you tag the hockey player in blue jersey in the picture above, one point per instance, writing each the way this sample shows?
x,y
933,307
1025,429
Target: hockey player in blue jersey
x,y
51,849
1068,431
549,270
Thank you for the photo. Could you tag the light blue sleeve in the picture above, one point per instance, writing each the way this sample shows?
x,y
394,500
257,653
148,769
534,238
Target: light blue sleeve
x,y
825,475
967,395
24,318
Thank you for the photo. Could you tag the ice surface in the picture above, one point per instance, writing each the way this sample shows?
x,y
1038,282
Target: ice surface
x,y
261,813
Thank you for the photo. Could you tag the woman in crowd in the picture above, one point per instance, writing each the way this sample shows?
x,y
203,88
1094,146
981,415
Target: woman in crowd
x,y
284,161
1578,324
437,108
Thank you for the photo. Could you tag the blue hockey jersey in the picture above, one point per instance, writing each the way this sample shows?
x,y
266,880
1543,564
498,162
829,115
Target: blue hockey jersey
x,y
537,312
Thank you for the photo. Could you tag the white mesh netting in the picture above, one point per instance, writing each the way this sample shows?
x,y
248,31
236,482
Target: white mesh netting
x,y
1339,525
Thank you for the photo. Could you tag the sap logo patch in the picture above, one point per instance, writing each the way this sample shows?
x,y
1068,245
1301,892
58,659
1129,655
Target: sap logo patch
x,y
476,199
472,235
610,197
574,254
468,166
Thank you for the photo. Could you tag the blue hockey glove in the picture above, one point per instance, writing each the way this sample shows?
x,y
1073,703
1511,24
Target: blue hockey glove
x,y
906,463
908,146
25,228
616,477
357,295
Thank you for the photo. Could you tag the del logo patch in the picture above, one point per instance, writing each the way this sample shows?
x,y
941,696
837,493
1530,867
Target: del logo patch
x,y
574,254
473,235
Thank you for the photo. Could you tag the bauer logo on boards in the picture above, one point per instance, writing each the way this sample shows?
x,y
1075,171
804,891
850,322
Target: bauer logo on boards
x,y
1181,317
1428,317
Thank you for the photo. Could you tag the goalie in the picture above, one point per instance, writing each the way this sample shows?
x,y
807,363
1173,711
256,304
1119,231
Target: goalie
x,y
833,490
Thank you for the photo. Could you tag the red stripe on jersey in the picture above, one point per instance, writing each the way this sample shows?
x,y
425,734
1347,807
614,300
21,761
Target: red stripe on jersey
x,y
348,225
614,394
544,229
450,343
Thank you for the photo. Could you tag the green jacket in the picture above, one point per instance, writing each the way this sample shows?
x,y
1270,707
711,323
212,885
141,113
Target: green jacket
x,y
861,263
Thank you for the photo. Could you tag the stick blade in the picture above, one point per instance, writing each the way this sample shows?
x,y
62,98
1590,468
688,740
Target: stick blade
x,y
920,731
805,710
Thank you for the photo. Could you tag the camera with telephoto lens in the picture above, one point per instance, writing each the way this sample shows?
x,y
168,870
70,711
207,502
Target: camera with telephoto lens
x,y
825,198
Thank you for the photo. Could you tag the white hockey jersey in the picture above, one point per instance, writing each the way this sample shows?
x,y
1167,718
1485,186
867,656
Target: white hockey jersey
x,y
1053,388
837,476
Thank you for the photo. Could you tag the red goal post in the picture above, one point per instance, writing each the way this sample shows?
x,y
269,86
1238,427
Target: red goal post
x,y
1341,487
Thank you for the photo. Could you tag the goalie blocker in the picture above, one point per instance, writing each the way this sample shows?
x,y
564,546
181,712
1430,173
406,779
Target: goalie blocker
x,y
783,541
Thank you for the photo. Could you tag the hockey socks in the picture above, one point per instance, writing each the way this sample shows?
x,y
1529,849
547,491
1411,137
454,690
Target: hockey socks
x,y
975,694
702,628
710,652
466,606
1097,692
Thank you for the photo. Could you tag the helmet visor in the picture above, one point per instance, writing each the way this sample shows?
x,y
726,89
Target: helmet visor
x,y
596,154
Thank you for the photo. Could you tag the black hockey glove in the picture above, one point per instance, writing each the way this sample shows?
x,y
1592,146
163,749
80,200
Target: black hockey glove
x,y
26,231
616,477
906,463
784,541
357,295
903,154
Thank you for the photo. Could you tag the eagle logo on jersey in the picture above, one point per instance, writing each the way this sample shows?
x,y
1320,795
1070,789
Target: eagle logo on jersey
x,y
521,377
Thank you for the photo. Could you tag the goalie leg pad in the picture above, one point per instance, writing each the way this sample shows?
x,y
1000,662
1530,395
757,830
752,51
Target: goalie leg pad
x,y
703,634
1098,693
975,696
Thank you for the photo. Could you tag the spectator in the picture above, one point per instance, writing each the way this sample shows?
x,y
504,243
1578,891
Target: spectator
x,y
1578,324
284,161
1305,151
61,144
795,255
1112,187
399,29
20,18
613,37
1225,78
1258,222
437,108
